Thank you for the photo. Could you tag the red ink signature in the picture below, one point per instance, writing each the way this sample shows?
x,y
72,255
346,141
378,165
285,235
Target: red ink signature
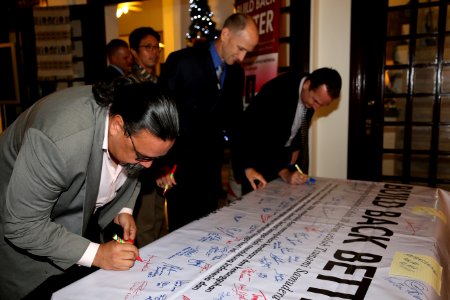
x,y
265,218
136,289
147,263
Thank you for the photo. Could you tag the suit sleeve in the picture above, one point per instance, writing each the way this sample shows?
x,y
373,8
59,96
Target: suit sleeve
x,y
234,118
168,77
40,175
256,127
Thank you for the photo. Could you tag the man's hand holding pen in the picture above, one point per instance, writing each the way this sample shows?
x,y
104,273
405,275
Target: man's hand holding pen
x,y
167,181
293,177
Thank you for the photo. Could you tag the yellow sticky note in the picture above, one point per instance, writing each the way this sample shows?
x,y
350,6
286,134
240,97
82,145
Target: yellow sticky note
x,y
416,266
430,211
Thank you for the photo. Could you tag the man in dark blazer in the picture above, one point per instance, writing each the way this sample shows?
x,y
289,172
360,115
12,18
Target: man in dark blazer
x,y
119,58
210,107
72,154
276,124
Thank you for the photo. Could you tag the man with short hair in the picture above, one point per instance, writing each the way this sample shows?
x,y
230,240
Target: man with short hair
x,y
144,45
119,58
207,82
71,156
275,131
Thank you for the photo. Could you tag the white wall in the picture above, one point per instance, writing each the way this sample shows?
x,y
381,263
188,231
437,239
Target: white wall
x,y
111,23
330,47
221,10
172,12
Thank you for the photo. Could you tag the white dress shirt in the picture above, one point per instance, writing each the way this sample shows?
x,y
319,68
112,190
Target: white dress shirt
x,y
298,115
112,178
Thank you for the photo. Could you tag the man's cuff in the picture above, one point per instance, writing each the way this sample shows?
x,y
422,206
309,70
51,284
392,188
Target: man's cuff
x,y
126,210
88,257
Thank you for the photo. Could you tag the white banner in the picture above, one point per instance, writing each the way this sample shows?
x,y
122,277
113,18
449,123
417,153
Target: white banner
x,y
334,239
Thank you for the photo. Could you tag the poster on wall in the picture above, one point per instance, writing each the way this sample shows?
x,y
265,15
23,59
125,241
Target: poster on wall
x,y
261,64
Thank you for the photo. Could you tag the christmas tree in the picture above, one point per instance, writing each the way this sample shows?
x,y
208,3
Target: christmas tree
x,y
202,27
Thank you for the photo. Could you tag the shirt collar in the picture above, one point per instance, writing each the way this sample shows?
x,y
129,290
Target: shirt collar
x,y
105,144
117,68
215,56
105,136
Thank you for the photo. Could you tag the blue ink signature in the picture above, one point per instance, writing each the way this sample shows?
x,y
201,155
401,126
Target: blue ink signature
x,y
414,288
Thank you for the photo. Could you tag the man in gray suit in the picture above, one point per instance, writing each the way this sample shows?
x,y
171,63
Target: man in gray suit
x,y
73,155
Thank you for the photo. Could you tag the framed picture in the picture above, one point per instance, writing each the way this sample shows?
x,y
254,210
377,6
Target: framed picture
x,y
9,80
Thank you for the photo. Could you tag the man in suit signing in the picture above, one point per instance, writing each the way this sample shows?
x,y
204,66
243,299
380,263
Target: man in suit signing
x,y
276,124
72,154
210,105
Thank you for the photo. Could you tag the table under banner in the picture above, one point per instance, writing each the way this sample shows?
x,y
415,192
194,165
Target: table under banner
x,y
334,239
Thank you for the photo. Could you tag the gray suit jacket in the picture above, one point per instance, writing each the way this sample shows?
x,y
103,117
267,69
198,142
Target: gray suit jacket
x,y
50,166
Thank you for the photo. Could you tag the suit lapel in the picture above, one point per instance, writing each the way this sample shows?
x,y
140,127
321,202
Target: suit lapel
x,y
94,168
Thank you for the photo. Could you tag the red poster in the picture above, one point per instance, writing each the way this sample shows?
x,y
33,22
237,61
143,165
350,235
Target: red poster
x,y
266,14
261,65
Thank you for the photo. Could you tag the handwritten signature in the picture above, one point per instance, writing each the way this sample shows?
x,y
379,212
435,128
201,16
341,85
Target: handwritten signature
x,y
414,288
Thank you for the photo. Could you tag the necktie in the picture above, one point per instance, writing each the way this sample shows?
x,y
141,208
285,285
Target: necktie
x,y
304,151
219,72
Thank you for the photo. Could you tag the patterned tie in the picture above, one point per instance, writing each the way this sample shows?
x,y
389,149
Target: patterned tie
x,y
219,72
304,156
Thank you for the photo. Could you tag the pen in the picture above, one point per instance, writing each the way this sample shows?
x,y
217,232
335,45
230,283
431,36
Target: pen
x,y
121,241
310,180
298,169
166,187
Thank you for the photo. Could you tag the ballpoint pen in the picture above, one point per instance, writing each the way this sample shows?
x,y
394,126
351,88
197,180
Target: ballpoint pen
x,y
298,169
309,180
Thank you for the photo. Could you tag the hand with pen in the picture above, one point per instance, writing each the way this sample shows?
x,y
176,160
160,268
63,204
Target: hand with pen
x,y
297,176
167,181
115,255
293,177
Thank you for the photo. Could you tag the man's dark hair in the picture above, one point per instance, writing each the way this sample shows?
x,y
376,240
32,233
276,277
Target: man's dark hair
x,y
329,77
141,105
114,45
137,35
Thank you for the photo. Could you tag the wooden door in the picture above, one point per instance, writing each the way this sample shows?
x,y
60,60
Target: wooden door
x,y
400,92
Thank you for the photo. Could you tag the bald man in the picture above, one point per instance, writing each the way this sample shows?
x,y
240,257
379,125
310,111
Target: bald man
x,y
210,105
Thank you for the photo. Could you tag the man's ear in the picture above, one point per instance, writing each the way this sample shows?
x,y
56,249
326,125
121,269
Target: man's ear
x,y
225,34
116,125
307,83
134,54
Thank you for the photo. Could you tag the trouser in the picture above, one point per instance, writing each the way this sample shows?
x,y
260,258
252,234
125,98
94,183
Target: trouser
x,y
150,219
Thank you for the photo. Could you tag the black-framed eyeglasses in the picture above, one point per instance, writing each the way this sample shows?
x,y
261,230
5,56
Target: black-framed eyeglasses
x,y
139,156
149,47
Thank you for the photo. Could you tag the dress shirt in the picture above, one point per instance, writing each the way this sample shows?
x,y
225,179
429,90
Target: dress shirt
x,y
112,178
218,62
298,115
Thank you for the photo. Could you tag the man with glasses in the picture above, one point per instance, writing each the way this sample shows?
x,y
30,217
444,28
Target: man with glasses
x,y
72,157
149,210
276,124
144,44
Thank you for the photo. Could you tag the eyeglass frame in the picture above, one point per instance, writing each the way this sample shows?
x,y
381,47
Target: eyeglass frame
x,y
139,156
149,47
